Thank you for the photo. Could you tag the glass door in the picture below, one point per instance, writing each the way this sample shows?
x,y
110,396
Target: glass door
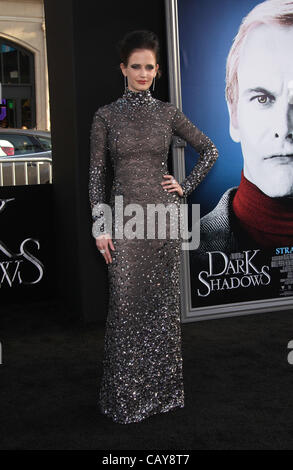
x,y
17,107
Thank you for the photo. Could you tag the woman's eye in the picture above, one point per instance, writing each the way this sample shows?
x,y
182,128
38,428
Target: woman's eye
x,y
149,67
135,66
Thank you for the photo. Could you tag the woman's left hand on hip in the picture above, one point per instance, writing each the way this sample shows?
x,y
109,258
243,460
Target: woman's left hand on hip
x,y
171,184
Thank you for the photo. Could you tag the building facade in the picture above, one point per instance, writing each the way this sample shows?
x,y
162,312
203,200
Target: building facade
x,y
23,65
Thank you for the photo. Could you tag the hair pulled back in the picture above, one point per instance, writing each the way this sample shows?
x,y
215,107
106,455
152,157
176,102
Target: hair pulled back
x,y
140,39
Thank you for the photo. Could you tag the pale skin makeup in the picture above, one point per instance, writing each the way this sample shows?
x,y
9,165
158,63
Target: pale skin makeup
x,y
262,120
140,71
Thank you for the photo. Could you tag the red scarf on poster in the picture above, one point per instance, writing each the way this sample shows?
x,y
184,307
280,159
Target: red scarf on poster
x,y
269,221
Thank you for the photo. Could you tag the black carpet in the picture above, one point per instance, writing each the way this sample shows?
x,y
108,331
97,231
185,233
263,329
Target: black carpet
x,y
238,385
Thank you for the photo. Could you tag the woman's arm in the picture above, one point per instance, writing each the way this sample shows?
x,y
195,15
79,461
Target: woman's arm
x,y
208,153
97,174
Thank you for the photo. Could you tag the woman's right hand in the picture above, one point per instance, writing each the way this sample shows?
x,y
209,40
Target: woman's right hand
x,y
103,242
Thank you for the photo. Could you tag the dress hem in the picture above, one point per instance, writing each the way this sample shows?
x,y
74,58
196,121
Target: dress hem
x,y
138,419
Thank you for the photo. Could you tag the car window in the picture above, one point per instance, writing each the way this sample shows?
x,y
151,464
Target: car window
x,y
22,143
45,142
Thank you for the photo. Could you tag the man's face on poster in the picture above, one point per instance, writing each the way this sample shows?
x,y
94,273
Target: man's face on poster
x,y
263,117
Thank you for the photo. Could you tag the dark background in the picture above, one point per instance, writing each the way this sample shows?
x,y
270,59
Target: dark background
x,y
29,216
84,74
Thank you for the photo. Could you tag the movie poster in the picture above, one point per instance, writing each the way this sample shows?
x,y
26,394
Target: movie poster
x,y
236,67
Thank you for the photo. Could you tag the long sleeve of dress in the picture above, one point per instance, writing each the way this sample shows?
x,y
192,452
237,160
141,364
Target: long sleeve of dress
x,y
97,174
208,153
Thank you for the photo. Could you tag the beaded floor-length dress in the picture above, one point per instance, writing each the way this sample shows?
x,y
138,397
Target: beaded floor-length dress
x,y
142,364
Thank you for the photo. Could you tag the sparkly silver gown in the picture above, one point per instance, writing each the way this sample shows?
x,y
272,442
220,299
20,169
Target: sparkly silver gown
x,y
142,364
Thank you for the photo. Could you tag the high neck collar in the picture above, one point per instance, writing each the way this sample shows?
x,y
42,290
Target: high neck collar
x,y
138,97
268,220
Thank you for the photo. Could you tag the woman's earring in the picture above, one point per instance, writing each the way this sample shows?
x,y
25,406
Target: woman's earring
x,y
154,83
125,83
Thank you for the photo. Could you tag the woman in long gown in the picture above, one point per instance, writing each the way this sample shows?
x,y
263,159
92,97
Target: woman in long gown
x,y
142,365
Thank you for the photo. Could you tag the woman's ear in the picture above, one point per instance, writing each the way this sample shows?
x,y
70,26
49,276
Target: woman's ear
x,y
123,69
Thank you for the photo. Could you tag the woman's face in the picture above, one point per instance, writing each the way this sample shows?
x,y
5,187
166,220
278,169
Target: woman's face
x,y
140,70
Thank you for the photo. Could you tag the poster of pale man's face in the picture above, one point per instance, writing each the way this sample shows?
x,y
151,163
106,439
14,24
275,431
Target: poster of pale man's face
x,y
262,118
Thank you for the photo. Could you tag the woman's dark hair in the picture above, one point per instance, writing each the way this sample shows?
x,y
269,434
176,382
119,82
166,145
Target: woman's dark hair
x,y
138,40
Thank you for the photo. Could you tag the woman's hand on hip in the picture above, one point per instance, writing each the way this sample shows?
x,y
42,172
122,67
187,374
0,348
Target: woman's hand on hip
x,y
171,183
104,242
